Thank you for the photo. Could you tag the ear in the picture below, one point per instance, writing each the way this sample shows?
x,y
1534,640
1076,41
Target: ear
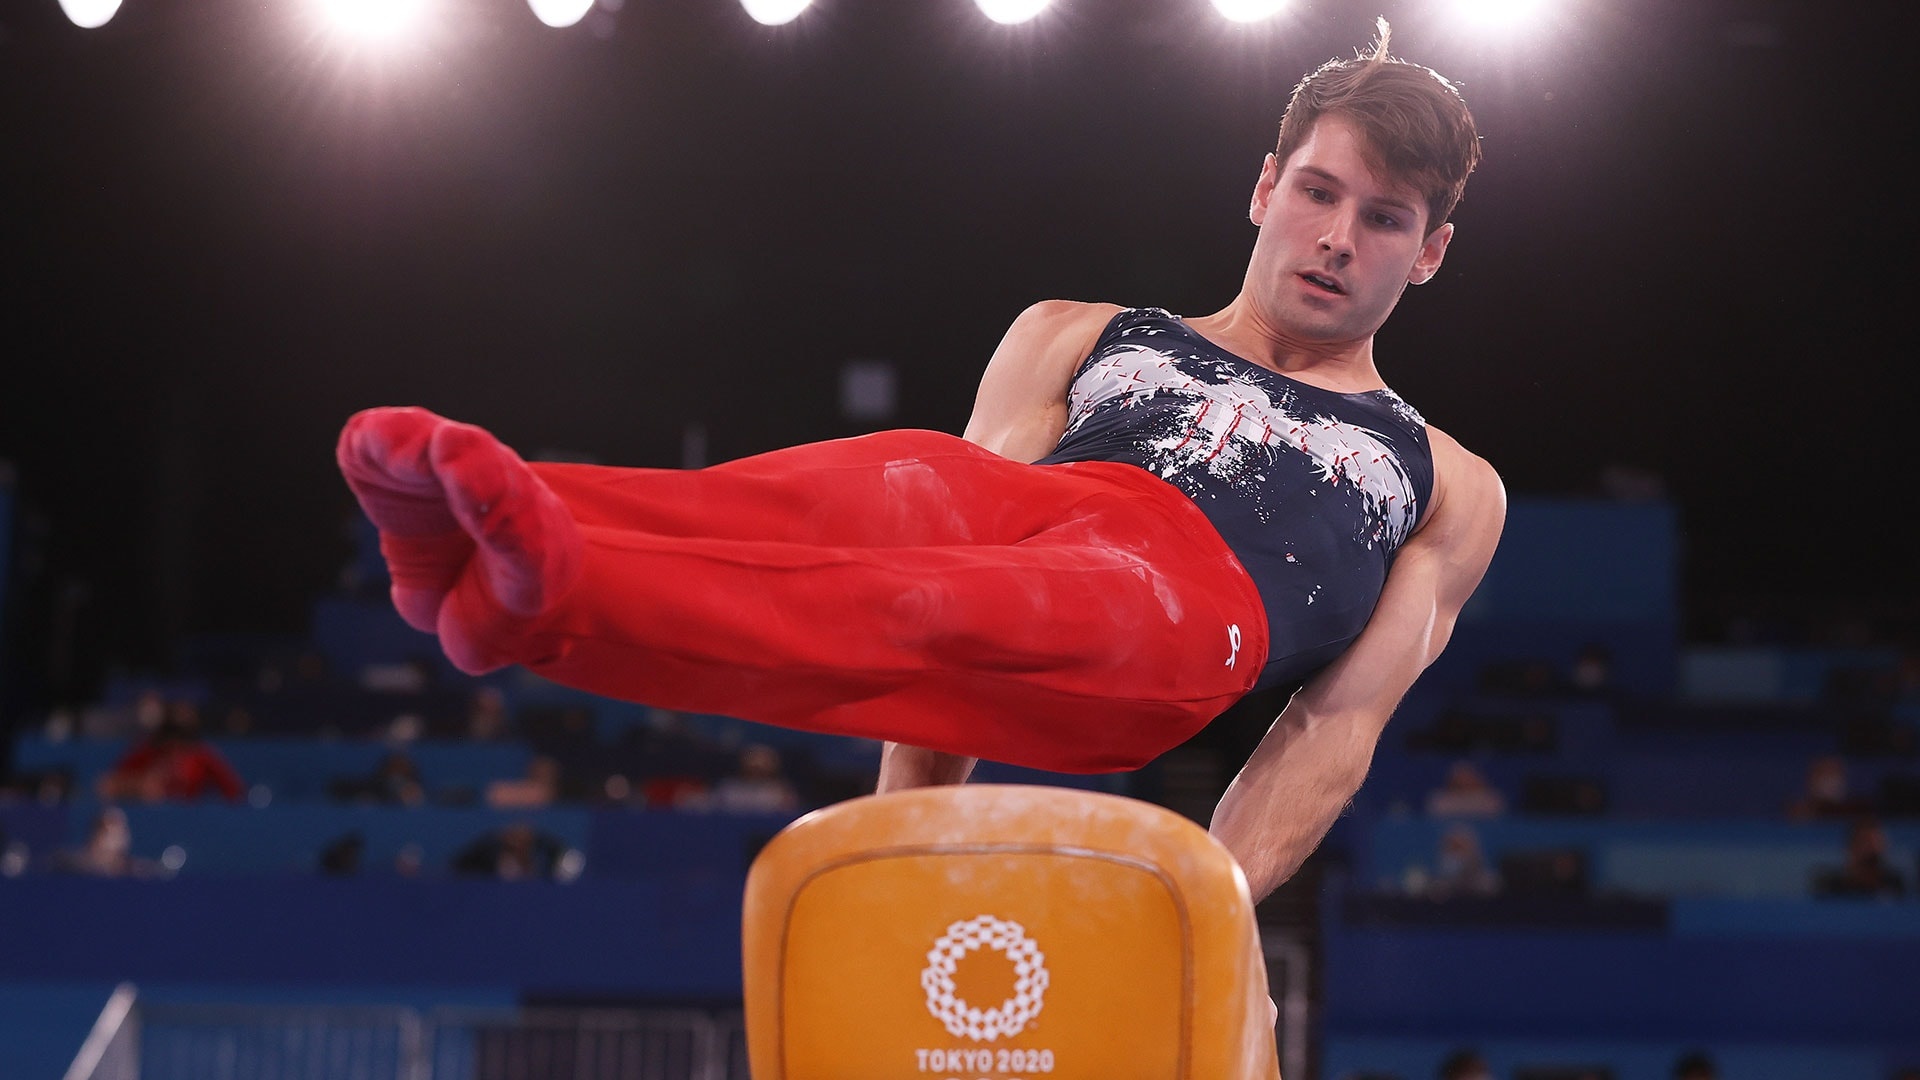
x,y
1427,263
1263,190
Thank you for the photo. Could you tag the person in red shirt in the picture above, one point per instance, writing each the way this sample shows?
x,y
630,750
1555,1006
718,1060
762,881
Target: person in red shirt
x,y
173,763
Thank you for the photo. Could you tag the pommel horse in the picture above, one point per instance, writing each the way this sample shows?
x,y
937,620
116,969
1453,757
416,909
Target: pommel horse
x,y
998,932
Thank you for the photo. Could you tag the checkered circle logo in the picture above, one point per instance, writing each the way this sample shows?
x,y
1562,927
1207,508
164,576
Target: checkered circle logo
x,y
1011,1015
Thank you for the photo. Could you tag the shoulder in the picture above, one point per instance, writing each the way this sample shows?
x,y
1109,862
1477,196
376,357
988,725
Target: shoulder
x,y
1047,341
1469,498
1020,409
1065,320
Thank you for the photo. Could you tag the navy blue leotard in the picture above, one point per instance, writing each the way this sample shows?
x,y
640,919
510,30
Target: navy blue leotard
x,y
1314,491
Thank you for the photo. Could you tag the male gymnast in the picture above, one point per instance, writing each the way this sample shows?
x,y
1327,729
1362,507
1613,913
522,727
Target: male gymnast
x,y
1148,518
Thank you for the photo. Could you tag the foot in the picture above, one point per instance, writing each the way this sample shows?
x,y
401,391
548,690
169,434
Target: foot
x,y
384,455
478,544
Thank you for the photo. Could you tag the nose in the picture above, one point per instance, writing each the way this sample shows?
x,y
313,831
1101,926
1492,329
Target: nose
x,y
1337,239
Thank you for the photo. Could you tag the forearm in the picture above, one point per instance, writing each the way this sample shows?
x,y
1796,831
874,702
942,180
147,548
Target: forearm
x,y
1276,812
903,767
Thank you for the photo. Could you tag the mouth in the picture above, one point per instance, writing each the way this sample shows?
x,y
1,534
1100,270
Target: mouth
x,y
1323,283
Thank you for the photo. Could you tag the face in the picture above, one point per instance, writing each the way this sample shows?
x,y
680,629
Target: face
x,y
1338,243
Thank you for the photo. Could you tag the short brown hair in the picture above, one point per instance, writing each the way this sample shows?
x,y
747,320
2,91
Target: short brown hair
x,y
1414,121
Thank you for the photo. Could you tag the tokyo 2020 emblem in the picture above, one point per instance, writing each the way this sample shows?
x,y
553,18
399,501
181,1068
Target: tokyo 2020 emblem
x,y
970,1021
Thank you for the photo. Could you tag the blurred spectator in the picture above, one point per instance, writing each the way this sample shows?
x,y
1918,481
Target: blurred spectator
x,y
1461,730
757,786
540,787
1464,1065
237,721
1521,678
306,670
410,860
172,763
487,719
1552,793
1592,671
674,763
395,781
341,857
1465,793
140,717
561,729
1826,794
675,792
1866,873
1695,1065
108,851
518,852
48,787
1460,868
410,676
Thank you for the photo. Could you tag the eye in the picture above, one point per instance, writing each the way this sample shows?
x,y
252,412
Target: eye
x,y
1386,221
1318,194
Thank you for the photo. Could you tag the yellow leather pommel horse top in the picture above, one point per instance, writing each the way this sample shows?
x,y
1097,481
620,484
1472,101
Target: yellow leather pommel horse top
x,y
995,932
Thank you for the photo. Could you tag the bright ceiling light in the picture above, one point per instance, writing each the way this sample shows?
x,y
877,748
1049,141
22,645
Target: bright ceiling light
x,y
1499,14
560,14
775,12
1246,11
1008,12
88,14
374,20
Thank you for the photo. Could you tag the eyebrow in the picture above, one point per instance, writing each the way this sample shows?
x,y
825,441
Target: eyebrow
x,y
1392,201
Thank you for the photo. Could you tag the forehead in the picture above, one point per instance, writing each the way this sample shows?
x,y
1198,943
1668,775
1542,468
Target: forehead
x,y
1336,148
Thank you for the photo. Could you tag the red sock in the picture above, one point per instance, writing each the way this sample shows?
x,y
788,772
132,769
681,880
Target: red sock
x,y
528,553
460,515
383,454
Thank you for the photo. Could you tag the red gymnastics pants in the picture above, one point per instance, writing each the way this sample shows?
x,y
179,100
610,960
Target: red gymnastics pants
x,y
908,586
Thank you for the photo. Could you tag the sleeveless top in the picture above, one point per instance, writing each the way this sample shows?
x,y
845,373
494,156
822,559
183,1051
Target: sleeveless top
x,y
1314,491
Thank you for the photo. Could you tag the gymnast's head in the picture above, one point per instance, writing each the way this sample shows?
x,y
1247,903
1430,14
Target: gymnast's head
x,y
1352,204
1414,127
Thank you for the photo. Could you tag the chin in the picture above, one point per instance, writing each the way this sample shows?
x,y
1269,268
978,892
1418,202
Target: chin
x,y
1309,331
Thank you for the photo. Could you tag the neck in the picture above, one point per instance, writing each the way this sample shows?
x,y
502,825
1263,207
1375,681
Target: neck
x,y
1241,329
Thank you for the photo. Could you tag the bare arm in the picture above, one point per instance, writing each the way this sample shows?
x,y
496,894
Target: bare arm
x,y
1019,412
1316,754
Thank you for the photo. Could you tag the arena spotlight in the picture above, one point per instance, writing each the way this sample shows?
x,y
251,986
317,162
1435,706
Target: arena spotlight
x,y
379,21
89,14
1008,12
1498,14
560,13
1247,11
775,12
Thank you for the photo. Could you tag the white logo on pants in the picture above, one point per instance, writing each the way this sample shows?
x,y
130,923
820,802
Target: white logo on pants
x,y
1233,639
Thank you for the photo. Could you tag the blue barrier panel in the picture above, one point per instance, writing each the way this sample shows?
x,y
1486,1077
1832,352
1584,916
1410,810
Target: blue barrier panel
x,y
1768,673
39,828
663,940
1582,561
235,841
637,845
1419,1059
1864,920
300,768
1705,783
1673,858
1434,983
